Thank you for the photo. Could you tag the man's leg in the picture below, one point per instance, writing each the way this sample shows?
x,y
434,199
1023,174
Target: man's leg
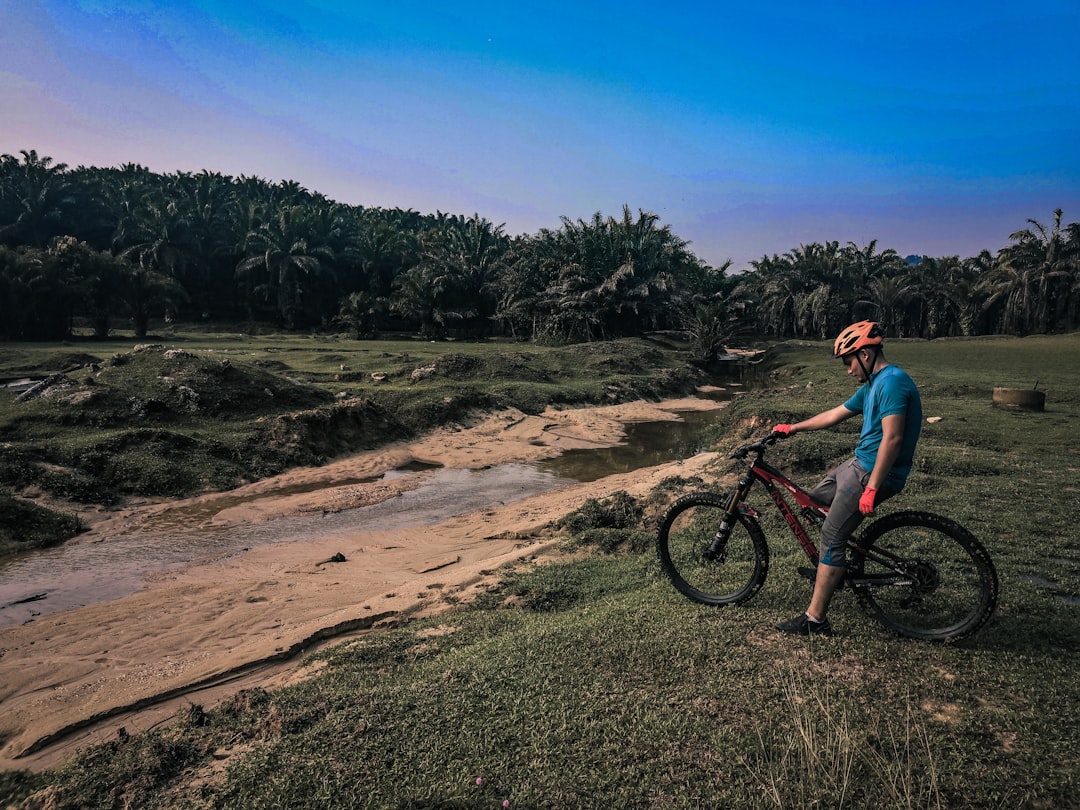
x,y
844,516
830,576
827,581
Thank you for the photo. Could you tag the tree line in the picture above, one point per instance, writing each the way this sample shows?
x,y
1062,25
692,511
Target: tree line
x,y
124,245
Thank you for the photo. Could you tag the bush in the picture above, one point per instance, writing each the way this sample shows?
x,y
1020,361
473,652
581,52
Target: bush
x,y
618,511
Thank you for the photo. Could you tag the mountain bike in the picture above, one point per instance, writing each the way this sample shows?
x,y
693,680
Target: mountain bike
x,y
919,574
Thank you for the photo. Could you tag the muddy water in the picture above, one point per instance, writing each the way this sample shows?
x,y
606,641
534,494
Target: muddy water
x,y
647,444
82,573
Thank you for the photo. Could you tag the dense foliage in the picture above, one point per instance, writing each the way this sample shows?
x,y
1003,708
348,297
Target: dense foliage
x,y
105,246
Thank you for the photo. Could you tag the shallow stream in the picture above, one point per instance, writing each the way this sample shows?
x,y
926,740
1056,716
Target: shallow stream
x,y
77,574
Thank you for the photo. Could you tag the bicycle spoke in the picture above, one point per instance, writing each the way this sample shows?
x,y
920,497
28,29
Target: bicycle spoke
x,y
925,577
732,573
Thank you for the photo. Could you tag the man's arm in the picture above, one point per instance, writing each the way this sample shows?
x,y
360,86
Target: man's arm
x,y
827,419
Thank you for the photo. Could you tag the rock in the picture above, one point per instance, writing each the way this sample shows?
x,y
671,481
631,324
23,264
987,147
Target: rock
x,y
188,396
421,373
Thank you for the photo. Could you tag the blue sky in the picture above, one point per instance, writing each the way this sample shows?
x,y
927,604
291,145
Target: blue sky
x,y
935,128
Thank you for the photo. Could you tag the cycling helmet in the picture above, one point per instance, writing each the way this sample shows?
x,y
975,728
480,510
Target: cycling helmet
x,y
857,336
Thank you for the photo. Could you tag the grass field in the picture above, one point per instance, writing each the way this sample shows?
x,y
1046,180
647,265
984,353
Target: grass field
x,y
594,684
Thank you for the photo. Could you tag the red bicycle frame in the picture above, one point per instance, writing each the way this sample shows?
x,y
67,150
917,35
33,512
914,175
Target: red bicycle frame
x,y
770,478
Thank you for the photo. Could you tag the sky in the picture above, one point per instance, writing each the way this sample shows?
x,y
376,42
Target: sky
x,y
935,128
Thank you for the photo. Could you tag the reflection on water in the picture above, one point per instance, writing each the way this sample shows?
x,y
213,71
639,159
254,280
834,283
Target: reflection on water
x,y
82,573
647,444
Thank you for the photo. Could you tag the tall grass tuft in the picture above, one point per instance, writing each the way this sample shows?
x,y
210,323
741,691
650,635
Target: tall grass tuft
x,y
815,753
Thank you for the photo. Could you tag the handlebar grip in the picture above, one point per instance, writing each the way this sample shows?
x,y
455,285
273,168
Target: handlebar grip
x,y
758,446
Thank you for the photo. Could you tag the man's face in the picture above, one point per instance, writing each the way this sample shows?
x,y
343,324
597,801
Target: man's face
x,y
855,368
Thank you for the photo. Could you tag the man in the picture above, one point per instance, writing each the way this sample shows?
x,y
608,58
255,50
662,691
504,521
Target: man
x,y
892,419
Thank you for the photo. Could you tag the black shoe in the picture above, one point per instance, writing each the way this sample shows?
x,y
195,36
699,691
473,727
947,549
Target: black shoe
x,y
803,625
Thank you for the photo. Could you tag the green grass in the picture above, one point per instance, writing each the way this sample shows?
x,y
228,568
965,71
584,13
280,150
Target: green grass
x,y
593,683
24,525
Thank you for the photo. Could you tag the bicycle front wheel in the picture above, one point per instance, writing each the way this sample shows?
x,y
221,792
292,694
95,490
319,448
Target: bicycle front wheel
x,y
924,576
730,576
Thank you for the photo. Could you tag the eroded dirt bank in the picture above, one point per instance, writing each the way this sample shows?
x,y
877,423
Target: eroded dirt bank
x,y
197,634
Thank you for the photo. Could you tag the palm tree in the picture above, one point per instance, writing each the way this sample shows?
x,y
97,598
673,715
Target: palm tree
x,y
421,294
359,311
822,302
889,295
97,275
1072,250
208,204
777,293
653,282
815,311
36,197
383,249
519,288
857,267
159,237
144,291
280,258
153,240
943,300
1034,277
613,277
460,259
49,287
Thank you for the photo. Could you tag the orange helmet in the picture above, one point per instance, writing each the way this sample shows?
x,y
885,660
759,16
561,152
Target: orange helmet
x,y
857,336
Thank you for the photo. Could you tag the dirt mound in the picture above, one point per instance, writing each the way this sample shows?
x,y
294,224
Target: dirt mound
x,y
315,435
629,359
167,422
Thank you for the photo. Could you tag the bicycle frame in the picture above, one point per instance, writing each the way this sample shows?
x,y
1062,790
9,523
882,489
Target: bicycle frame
x,y
760,471
773,479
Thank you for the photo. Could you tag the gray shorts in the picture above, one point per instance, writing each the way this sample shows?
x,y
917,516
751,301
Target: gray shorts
x,y
841,490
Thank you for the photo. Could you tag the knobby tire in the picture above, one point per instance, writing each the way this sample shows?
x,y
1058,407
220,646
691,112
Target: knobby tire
x,y
924,576
687,529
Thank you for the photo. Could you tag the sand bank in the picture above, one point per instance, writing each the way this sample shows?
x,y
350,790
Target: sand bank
x,y
201,633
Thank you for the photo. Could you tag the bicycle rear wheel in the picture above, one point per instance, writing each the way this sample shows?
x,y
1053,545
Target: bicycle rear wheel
x,y
687,531
924,576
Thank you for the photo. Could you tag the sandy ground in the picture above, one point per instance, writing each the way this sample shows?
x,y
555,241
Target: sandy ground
x,y
202,633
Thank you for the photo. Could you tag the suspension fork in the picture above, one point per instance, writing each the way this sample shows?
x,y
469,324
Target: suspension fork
x,y
717,549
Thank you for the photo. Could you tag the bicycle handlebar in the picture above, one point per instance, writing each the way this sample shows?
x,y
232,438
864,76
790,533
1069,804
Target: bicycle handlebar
x,y
758,446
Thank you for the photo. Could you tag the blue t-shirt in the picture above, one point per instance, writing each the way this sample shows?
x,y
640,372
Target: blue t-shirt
x,y
887,392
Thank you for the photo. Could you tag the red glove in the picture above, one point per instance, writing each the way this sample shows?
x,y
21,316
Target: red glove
x,y
866,502
783,430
